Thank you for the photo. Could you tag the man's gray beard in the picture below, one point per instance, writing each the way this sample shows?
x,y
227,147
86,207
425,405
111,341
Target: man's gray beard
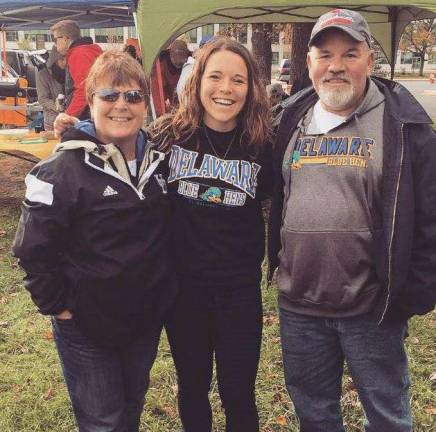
x,y
336,99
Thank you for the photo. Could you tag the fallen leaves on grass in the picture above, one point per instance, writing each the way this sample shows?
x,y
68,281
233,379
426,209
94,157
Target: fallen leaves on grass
x,y
166,410
48,394
281,420
349,384
271,319
48,335
431,410
277,397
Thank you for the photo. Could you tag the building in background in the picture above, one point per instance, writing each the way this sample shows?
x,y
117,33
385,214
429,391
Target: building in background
x,y
108,37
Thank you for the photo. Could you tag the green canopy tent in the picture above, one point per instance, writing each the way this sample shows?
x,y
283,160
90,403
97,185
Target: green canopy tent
x,y
159,22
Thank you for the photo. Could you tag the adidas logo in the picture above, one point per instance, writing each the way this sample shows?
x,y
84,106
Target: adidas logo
x,y
109,191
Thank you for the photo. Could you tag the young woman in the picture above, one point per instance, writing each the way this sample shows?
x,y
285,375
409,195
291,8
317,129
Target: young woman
x,y
93,241
218,171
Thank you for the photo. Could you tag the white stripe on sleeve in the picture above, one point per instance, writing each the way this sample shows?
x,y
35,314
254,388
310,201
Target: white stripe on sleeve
x,y
38,190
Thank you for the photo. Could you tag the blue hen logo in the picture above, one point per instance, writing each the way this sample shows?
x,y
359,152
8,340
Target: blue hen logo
x,y
213,194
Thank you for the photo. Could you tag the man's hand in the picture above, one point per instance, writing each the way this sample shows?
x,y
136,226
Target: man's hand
x,y
62,123
65,315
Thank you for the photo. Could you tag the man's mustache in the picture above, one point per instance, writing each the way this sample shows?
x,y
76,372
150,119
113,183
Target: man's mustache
x,y
344,78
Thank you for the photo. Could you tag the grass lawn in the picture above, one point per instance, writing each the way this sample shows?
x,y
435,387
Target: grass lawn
x,y
33,396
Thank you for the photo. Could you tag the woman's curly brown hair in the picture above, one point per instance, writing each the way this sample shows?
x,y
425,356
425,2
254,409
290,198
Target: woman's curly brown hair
x,y
254,119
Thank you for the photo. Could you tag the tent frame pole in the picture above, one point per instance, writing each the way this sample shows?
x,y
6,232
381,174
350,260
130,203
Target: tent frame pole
x,y
393,17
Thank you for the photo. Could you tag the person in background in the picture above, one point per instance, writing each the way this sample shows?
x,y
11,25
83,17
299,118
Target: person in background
x,y
352,231
131,50
275,93
50,82
93,240
189,65
277,98
80,53
170,62
218,173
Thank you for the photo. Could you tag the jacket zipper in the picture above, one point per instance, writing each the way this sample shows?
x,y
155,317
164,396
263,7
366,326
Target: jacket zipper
x,y
116,175
393,227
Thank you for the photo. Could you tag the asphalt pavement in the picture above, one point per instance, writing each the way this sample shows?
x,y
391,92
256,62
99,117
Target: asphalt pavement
x,y
424,92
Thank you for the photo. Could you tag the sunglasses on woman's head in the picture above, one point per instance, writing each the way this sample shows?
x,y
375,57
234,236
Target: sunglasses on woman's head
x,y
112,95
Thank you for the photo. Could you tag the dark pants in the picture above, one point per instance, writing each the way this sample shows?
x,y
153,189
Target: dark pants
x,y
225,321
106,386
314,350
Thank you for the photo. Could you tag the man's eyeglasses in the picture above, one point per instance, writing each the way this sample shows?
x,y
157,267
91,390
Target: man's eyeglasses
x,y
112,95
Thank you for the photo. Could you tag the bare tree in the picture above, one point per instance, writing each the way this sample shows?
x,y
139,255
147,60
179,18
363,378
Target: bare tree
x,y
298,35
419,38
234,30
261,42
295,34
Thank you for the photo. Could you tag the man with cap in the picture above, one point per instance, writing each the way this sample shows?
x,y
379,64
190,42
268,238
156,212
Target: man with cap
x,y
165,75
352,231
189,65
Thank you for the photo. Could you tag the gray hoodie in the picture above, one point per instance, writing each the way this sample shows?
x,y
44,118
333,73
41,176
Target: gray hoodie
x,y
332,214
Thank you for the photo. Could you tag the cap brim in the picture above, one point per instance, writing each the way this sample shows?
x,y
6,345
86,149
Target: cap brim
x,y
353,33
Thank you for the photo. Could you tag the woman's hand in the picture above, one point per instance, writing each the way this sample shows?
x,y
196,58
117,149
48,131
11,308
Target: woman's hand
x,y
62,123
65,315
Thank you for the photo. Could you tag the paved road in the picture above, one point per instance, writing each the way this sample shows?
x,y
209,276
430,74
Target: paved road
x,y
424,92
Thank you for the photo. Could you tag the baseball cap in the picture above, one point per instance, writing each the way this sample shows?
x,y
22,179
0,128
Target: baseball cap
x,y
349,21
179,46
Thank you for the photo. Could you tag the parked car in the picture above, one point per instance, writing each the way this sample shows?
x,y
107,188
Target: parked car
x,y
284,70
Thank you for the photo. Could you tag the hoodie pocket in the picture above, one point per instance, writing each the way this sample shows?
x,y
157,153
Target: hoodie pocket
x,y
330,270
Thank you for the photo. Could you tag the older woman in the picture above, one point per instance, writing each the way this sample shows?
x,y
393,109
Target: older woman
x,y
92,240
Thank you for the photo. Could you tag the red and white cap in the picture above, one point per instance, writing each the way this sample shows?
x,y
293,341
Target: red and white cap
x,y
349,21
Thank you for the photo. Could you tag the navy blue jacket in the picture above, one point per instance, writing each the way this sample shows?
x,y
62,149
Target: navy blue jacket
x,y
95,243
406,248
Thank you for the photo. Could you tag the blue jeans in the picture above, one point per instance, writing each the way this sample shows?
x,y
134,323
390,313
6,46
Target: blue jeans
x,y
106,386
314,350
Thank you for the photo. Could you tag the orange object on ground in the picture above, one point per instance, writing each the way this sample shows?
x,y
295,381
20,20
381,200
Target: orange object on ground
x,y
13,95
